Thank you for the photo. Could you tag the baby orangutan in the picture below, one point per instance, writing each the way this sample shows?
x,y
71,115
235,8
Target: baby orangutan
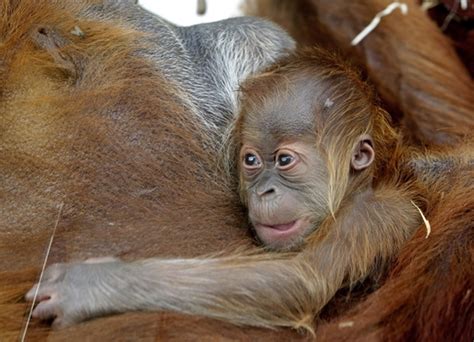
x,y
312,150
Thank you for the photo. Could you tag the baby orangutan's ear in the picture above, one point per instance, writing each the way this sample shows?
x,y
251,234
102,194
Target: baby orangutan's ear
x,y
363,153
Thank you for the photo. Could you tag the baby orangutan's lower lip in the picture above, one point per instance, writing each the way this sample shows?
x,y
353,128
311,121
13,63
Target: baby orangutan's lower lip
x,y
278,232
282,227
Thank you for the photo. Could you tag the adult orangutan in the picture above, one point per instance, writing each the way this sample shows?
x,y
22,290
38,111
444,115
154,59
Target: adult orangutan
x,y
325,179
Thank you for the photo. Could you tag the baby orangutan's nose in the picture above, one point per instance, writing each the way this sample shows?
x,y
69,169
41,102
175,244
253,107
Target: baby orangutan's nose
x,y
266,191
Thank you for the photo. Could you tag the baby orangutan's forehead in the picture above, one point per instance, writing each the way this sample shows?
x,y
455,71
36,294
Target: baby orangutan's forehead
x,y
283,114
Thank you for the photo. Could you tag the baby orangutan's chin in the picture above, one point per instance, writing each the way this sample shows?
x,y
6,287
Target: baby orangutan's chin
x,y
283,236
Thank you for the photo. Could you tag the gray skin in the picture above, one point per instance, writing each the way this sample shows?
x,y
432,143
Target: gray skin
x,y
206,62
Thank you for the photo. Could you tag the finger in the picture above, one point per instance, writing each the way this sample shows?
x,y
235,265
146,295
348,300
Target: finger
x,y
47,309
31,293
43,293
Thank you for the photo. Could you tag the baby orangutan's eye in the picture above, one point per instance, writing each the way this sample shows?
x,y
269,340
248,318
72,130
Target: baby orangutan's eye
x,y
251,161
285,160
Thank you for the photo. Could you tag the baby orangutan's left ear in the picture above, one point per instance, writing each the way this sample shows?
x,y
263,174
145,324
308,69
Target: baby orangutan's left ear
x,y
363,153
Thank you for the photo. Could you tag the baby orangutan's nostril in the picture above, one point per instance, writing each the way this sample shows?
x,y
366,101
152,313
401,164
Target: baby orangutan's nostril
x,y
266,191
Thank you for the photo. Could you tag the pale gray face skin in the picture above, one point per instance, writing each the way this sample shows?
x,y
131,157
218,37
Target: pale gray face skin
x,y
282,185
284,173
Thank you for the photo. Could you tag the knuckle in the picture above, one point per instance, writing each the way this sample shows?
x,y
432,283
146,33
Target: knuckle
x,y
31,293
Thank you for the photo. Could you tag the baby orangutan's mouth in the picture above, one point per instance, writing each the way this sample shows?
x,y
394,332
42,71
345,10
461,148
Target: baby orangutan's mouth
x,y
280,233
281,227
